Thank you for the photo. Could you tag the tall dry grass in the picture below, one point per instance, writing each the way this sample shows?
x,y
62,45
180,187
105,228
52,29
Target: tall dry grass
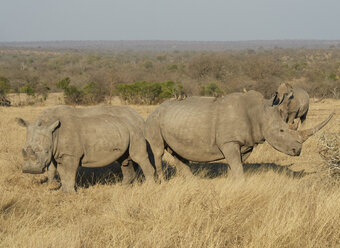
x,y
270,209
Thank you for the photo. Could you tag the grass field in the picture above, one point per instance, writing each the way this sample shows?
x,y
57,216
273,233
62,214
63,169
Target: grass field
x,y
269,209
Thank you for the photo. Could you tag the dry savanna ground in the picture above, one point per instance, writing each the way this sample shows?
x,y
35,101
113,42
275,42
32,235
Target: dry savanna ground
x,y
277,206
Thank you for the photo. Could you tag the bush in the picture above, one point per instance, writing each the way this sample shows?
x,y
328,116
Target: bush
x,y
28,89
148,92
89,94
73,95
4,85
333,77
92,93
148,64
171,89
211,89
63,84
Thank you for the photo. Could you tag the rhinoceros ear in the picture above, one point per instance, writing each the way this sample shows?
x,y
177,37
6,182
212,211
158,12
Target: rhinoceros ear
x,y
21,122
289,87
54,125
290,95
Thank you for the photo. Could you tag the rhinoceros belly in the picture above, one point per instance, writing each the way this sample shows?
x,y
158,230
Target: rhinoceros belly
x,y
104,144
190,132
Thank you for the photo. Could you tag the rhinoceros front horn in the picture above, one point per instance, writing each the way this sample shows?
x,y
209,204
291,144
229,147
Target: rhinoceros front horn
x,y
305,134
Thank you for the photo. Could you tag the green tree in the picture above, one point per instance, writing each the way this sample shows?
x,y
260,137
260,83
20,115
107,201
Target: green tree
x,y
64,83
4,85
92,93
211,89
28,89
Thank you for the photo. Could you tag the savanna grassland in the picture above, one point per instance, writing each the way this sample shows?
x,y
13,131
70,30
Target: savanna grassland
x,y
277,206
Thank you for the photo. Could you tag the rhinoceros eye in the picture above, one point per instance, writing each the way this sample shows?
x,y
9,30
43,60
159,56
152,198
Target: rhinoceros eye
x,y
37,150
281,130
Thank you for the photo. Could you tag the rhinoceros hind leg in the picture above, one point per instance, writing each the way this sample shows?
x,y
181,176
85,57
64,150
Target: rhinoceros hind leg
x,y
232,154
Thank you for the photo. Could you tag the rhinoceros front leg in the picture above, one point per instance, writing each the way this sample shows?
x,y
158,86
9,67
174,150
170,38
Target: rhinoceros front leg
x,y
128,172
181,164
232,154
291,118
67,170
52,173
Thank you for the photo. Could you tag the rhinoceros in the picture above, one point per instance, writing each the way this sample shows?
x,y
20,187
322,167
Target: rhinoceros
x,y
71,137
203,129
297,106
124,112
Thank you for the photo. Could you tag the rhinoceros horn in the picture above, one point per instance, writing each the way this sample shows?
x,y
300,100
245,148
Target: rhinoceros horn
x,y
305,134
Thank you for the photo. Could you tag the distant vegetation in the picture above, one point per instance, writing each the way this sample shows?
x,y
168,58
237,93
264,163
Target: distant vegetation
x,y
148,92
142,76
90,93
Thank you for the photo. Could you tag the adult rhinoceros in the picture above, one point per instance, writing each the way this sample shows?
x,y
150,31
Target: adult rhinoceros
x,y
298,104
205,129
90,137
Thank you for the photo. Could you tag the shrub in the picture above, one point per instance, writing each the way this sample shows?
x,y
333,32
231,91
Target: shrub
x,y
64,83
148,92
148,64
333,77
4,85
28,89
211,89
73,95
173,67
92,93
171,89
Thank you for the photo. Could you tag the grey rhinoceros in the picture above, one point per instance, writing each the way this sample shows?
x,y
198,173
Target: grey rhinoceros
x,y
90,137
203,129
297,106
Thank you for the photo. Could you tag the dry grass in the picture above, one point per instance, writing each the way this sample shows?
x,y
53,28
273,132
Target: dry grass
x,y
270,209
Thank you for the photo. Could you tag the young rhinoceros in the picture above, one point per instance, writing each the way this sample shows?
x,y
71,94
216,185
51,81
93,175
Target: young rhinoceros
x,y
297,103
203,129
72,141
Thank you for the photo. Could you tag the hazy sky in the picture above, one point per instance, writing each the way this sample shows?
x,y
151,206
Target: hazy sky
x,y
219,20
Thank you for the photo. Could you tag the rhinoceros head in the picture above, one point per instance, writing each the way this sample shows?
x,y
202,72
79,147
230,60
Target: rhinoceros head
x,y
283,91
282,98
37,152
280,136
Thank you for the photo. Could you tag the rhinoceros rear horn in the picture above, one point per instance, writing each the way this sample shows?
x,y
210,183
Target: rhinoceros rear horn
x,y
305,134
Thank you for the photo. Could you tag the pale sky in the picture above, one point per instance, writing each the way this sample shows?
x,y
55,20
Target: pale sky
x,y
203,20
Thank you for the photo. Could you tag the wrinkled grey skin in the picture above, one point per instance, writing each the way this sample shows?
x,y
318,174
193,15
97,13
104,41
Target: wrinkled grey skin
x,y
297,106
90,137
123,112
203,129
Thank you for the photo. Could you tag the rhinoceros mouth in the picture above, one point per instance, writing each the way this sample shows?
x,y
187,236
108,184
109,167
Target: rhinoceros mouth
x,y
33,170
